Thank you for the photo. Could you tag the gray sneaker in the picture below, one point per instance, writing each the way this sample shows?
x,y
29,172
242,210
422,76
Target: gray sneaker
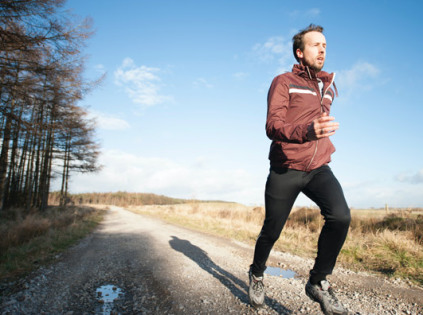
x,y
256,290
323,294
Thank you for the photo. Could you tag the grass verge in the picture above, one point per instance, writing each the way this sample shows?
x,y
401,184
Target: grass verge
x,y
28,241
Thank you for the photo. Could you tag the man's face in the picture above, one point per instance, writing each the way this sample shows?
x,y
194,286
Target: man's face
x,y
314,50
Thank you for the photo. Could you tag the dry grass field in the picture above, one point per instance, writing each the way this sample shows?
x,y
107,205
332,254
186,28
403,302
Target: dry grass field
x,y
390,243
28,240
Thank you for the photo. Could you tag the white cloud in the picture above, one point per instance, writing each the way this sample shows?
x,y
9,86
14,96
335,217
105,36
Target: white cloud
x,y
108,122
141,83
379,192
241,75
353,76
314,12
362,76
127,172
201,82
277,49
416,178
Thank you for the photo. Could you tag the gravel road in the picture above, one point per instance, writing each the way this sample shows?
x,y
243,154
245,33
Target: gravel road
x,y
134,264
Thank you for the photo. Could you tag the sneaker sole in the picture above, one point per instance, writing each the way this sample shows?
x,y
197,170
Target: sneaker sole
x,y
326,312
256,306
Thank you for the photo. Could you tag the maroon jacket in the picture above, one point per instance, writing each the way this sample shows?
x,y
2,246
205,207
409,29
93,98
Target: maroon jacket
x,y
293,102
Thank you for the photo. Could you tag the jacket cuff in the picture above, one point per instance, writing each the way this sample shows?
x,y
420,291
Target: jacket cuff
x,y
306,133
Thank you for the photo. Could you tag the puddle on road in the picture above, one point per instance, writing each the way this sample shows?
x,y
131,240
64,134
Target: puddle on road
x,y
106,295
278,272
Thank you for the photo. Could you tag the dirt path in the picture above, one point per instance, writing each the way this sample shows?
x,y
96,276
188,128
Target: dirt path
x,y
159,268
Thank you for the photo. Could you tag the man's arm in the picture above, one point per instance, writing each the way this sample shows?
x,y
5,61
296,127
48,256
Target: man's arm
x,y
277,107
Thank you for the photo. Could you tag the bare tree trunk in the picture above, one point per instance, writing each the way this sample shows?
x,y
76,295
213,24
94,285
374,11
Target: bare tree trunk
x,y
40,148
4,157
67,173
44,173
22,165
28,192
62,188
10,188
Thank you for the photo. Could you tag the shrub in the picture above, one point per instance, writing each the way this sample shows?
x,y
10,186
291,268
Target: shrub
x,y
310,218
391,222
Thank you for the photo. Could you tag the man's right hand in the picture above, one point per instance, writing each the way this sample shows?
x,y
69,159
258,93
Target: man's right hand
x,y
322,127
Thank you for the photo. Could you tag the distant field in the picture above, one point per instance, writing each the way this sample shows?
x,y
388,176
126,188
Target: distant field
x,y
390,243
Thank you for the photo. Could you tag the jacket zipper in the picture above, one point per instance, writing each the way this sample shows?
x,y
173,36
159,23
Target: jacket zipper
x,y
321,111
314,154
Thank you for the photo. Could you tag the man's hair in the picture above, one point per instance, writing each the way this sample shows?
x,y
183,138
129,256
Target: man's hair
x,y
297,40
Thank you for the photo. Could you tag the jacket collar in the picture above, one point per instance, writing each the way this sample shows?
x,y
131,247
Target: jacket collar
x,y
308,73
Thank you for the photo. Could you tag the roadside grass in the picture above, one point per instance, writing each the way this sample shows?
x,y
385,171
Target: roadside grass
x,y
386,243
30,240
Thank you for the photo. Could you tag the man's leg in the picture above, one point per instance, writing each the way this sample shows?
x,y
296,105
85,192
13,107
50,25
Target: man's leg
x,y
282,188
324,189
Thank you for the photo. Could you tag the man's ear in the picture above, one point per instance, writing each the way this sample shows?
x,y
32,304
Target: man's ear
x,y
299,53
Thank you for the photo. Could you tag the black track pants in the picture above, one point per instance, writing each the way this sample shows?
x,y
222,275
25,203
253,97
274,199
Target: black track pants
x,y
320,185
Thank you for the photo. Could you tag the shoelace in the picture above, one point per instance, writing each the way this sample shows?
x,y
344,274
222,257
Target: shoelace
x,y
258,285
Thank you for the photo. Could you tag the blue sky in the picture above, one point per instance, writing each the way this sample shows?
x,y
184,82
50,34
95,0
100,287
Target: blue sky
x,y
182,109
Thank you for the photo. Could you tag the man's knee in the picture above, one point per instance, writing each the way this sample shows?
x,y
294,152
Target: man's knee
x,y
345,220
340,221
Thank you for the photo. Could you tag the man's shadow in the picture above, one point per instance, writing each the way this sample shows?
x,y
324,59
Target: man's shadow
x,y
237,287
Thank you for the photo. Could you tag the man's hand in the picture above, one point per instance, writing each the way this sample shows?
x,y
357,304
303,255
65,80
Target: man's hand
x,y
322,127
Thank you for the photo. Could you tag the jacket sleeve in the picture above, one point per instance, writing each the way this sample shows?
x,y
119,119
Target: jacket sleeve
x,y
277,127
